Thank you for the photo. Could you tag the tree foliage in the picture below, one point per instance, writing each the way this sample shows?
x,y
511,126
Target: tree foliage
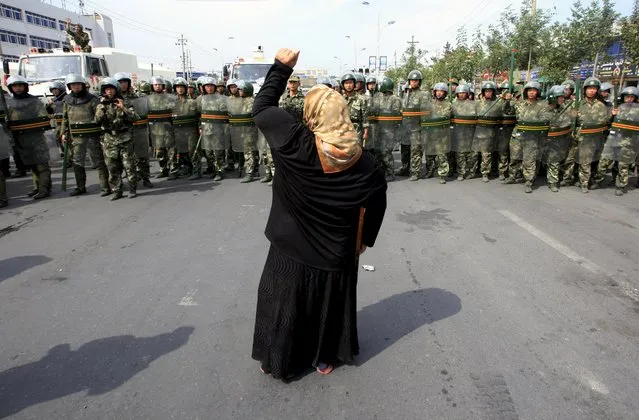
x,y
554,48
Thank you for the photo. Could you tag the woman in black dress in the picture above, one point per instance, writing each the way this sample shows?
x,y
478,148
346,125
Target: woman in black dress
x,y
329,200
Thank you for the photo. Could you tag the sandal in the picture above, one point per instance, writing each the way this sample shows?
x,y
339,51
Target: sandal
x,y
324,369
264,370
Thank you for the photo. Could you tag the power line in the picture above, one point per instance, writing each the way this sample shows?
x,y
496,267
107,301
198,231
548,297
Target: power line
x,y
129,20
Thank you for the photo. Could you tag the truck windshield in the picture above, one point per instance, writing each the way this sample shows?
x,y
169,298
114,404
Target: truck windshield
x,y
44,67
250,72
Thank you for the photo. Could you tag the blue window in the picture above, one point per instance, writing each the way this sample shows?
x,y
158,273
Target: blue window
x,y
13,37
40,20
11,12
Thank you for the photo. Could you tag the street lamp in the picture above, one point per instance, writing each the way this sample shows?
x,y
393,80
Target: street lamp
x,y
379,34
340,64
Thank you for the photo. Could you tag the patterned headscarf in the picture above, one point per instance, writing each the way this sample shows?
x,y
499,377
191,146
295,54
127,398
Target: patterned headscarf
x,y
326,115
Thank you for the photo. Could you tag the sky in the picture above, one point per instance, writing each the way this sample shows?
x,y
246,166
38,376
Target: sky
x,y
219,30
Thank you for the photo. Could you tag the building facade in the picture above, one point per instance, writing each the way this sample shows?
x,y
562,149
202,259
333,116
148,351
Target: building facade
x,y
26,24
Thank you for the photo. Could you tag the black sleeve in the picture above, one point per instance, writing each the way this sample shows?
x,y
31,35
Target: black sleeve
x,y
375,210
277,125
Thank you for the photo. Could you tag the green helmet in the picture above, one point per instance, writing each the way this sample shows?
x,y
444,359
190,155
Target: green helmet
x,y
246,86
387,85
488,85
592,82
57,84
109,81
17,80
168,86
371,79
462,89
359,77
324,81
532,85
157,80
122,76
191,84
144,87
504,85
569,84
554,93
606,86
231,82
180,81
441,86
199,80
348,76
454,81
205,80
630,90
415,75
74,78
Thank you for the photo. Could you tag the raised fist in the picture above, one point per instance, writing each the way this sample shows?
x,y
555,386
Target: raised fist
x,y
287,56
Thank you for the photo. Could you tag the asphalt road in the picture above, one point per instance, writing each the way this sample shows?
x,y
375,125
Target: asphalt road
x,y
485,303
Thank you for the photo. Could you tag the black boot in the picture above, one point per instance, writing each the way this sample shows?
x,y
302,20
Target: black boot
x,y
80,181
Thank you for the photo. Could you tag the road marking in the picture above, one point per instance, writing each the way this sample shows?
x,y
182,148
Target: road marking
x,y
553,243
189,300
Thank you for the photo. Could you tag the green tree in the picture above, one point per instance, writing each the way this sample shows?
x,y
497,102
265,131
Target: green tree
x,y
412,59
629,32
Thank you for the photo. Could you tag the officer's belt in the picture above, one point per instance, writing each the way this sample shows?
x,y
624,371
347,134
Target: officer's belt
x,y
534,126
216,117
626,125
2,116
509,120
163,115
57,118
32,124
559,131
372,119
388,118
140,122
464,120
593,128
240,120
484,121
85,129
435,123
185,120
413,113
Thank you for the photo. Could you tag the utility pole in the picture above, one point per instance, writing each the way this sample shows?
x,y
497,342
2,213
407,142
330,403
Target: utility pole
x,y
189,66
534,18
182,42
412,43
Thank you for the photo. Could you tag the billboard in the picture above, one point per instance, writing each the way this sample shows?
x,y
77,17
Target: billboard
x,y
383,63
372,62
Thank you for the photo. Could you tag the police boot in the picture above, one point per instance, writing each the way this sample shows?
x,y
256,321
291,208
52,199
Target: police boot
x,y
133,189
528,187
44,181
619,192
442,180
553,187
174,174
5,166
4,202
268,177
117,194
197,174
80,181
218,177
147,183
103,176
509,180
163,173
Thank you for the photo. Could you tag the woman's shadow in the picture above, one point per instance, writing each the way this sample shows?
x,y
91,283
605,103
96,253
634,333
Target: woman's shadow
x,y
97,367
385,322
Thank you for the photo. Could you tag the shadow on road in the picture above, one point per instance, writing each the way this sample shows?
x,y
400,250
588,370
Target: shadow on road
x,y
16,265
98,367
387,321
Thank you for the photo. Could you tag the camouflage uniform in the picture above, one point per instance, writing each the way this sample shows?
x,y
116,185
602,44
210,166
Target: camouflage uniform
x,y
79,127
358,111
557,143
55,108
489,116
81,39
161,130
214,119
117,124
27,119
464,119
5,147
529,135
185,127
243,132
435,140
592,120
416,104
508,122
140,135
621,146
388,112
372,143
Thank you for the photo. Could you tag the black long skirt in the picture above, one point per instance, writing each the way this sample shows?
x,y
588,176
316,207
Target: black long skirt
x,y
304,316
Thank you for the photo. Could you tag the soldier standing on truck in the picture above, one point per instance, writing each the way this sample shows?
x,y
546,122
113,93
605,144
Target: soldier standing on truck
x,y
78,37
